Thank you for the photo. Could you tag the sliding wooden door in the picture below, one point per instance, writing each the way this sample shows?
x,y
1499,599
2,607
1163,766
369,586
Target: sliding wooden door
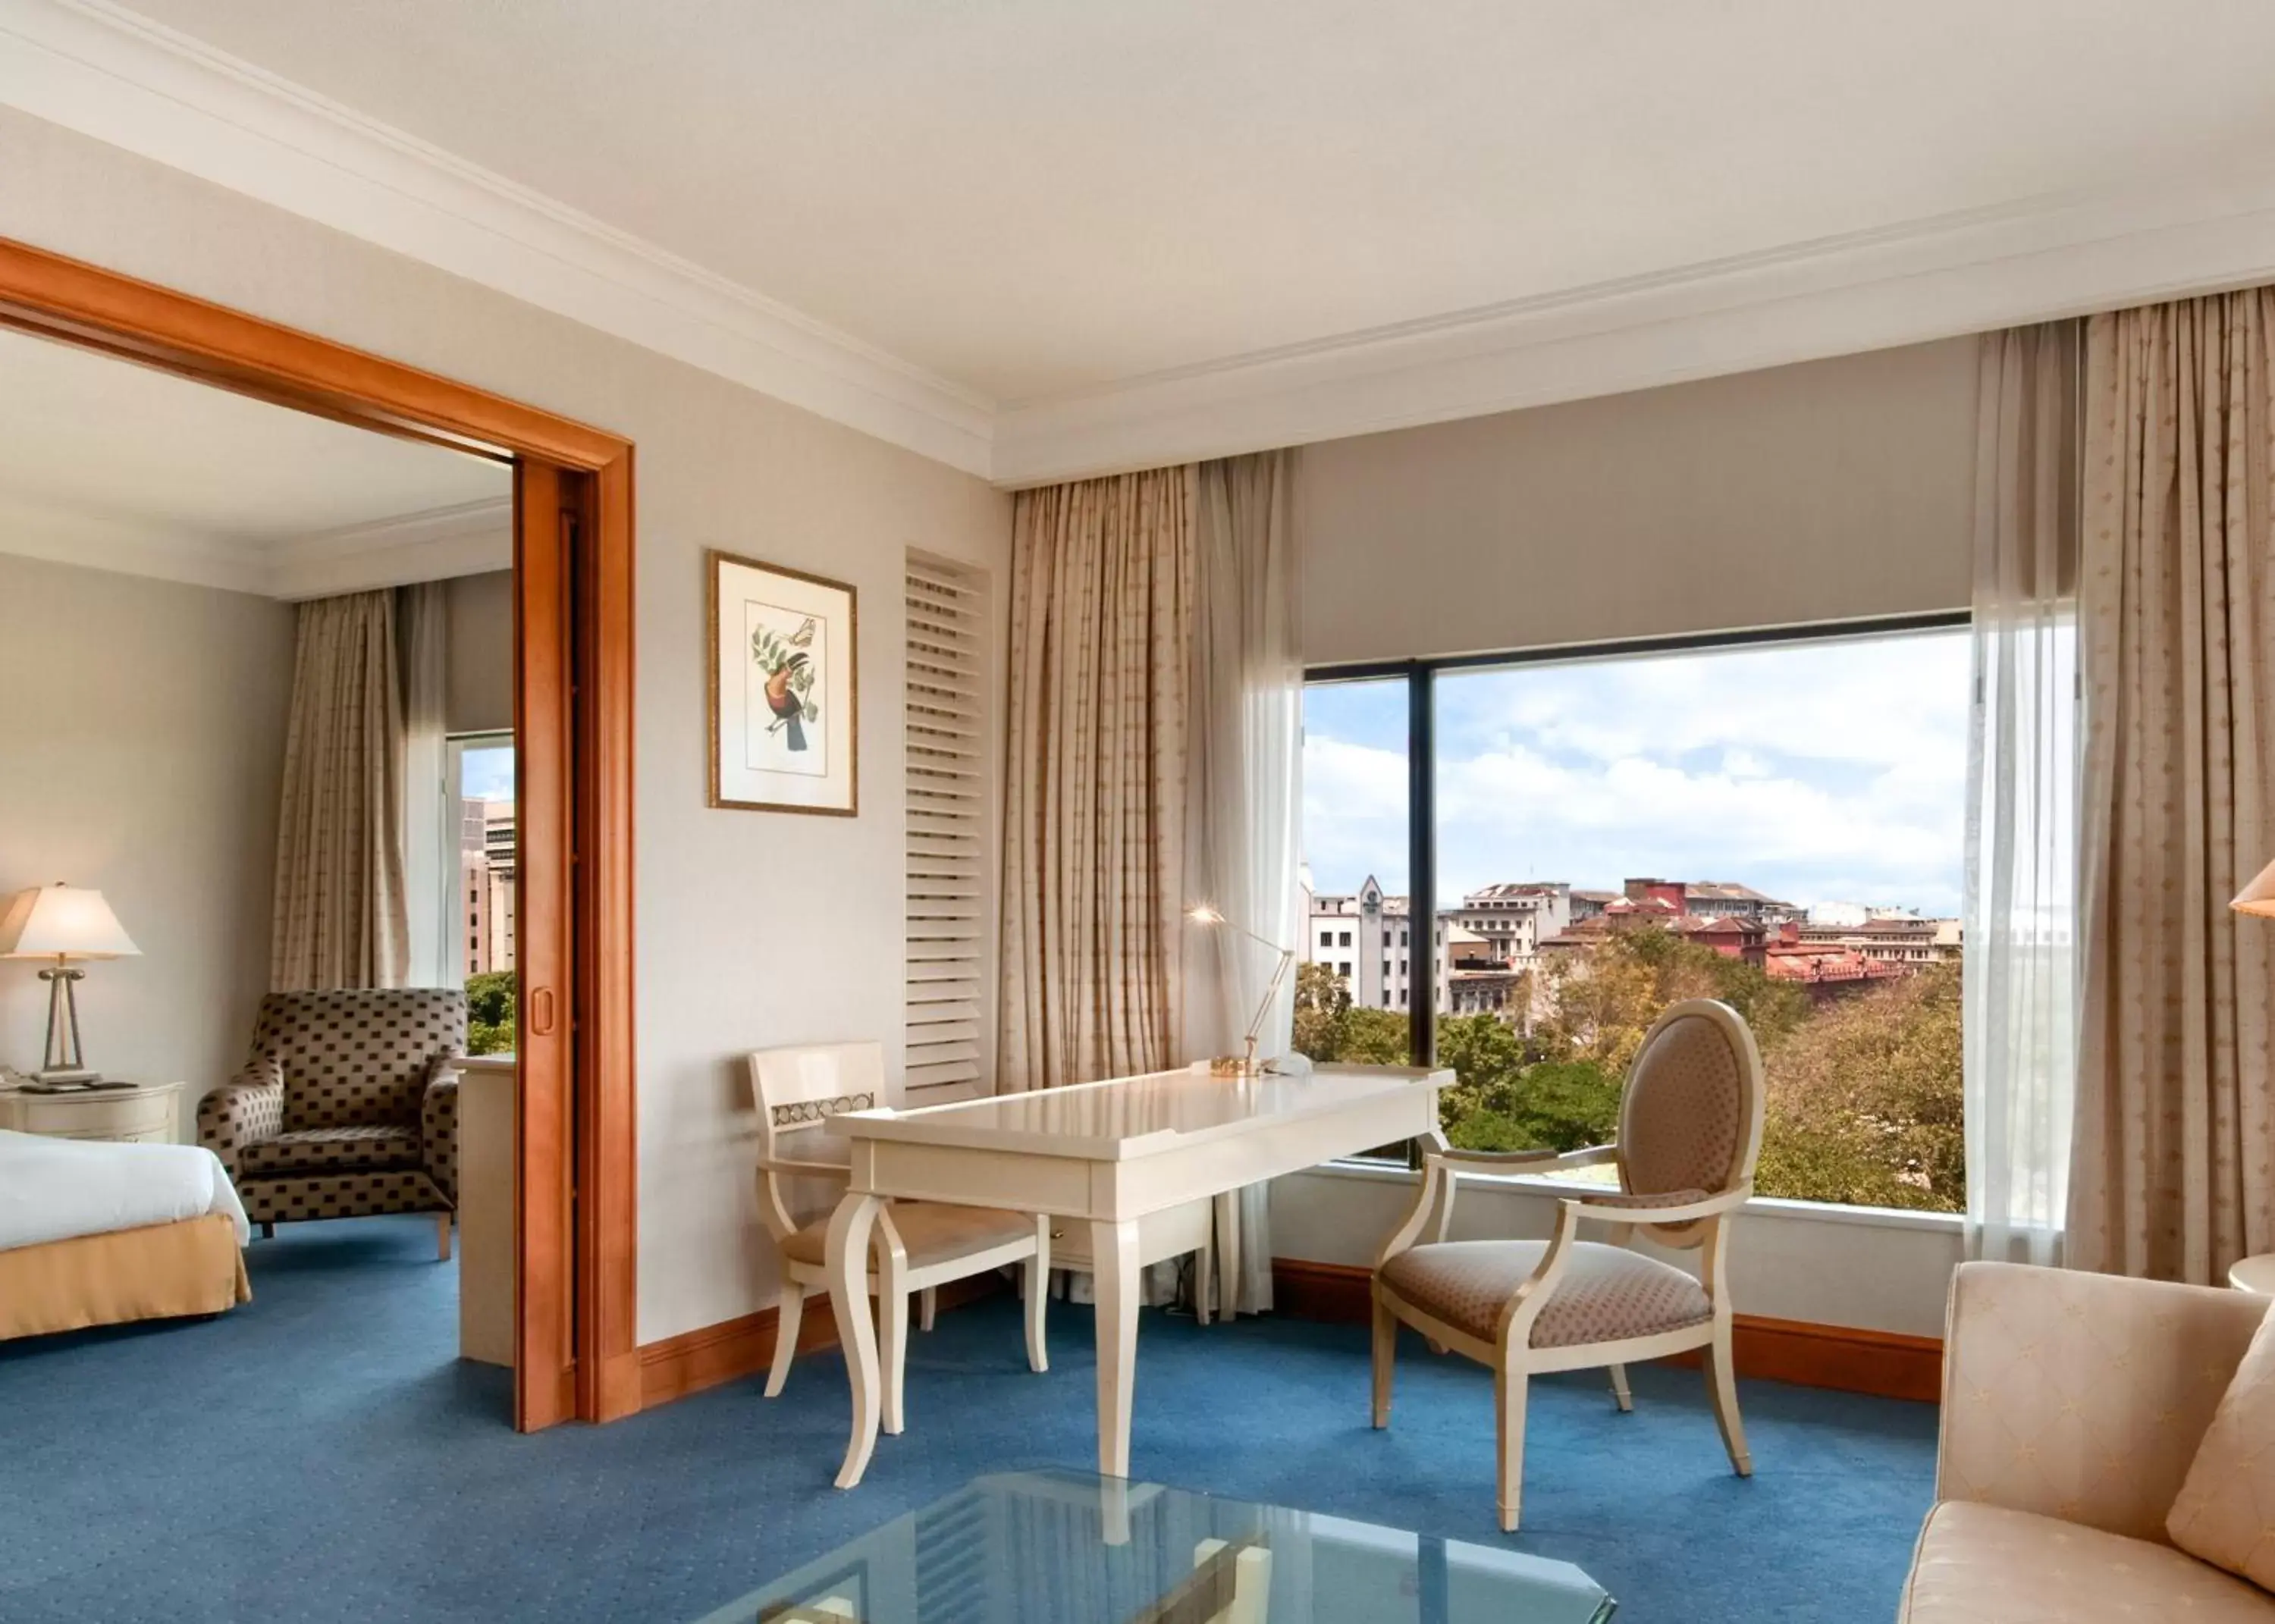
x,y
574,1194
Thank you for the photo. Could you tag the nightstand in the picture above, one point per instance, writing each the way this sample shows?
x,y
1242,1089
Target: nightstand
x,y
143,1115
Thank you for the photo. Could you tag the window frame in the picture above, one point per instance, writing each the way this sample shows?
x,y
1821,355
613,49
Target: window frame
x,y
1421,678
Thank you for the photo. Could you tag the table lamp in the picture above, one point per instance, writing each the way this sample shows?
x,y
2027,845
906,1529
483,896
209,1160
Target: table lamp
x,y
1245,1065
2259,896
62,923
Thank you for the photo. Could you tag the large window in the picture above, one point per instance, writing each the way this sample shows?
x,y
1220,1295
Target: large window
x,y
1777,825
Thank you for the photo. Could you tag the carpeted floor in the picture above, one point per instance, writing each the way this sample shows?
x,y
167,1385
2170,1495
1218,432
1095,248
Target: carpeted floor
x,y
321,1454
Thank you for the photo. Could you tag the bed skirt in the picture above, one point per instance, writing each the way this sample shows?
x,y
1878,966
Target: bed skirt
x,y
192,1266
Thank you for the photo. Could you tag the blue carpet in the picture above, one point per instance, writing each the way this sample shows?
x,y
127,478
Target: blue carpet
x,y
320,1453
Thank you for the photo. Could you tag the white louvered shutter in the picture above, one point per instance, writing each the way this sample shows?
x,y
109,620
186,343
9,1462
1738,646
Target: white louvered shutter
x,y
949,906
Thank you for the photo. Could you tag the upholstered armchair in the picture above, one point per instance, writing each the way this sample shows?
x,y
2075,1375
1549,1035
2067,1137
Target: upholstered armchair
x,y
2072,1407
1690,1129
347,1108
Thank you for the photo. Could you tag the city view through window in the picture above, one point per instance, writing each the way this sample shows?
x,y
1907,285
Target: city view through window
x,y
1777,825
486,888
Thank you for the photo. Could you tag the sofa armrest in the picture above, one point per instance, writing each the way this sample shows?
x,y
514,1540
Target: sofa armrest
x,y
2082,1396
438,1130
248,1109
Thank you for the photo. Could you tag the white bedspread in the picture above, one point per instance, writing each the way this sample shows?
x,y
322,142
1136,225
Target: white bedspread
x,y
51,1190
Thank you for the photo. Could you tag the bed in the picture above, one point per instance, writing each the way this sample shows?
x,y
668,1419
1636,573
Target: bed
x,y
97,1234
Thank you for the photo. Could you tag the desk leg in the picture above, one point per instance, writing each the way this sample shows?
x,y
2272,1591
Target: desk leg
x,y
848,1264
1114,1263
1228,1255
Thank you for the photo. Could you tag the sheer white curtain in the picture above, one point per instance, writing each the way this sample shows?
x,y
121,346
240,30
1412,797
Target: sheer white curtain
x,y
2022,965
428,842
1242,826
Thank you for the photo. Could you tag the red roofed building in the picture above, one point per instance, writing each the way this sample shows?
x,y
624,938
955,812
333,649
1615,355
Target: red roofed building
x,y
1826,970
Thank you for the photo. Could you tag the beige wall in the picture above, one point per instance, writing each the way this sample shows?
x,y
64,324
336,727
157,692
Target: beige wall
x,y
1822,492
141,738
477,623
754,928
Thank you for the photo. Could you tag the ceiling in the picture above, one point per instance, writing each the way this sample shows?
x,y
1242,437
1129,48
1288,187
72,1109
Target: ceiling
x,y
106,462
1002,215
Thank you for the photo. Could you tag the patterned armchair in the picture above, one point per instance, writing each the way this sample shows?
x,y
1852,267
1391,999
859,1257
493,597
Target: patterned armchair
x,y
347,1107
1691,1131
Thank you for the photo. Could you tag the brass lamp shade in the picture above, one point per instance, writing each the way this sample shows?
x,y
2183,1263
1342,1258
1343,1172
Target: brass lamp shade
x,y
2259,896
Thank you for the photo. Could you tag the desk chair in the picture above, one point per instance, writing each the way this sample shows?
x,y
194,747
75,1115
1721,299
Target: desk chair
x,y
919,1246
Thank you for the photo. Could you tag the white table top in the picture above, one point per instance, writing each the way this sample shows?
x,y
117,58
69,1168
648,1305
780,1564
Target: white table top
x,y
1125,1117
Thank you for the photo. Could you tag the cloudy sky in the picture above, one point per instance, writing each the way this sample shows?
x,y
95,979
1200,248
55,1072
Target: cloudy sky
x,y
1830,771
487,774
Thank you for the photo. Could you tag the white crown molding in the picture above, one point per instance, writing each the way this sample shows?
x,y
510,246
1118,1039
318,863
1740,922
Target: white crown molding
x,y
122,78
433,546
118,78
2035,260
62,535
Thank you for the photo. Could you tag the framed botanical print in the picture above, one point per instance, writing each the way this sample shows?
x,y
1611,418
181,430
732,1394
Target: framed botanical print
x,y
783,722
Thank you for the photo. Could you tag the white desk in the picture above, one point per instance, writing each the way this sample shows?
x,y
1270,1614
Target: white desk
x,y
1107,1154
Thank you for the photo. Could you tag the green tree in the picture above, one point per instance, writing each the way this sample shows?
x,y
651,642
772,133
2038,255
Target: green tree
x,y
1321,1002
1374,1038
490,999
1864,1101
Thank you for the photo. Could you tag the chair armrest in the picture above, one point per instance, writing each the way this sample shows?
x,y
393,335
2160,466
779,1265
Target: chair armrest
x,y
248,1109
794,1168
2082,1396
773,1207
1518,1161
1657,1209
438,1130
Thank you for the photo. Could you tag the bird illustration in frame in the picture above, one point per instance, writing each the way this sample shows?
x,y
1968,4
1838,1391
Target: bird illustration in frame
x,y
788,672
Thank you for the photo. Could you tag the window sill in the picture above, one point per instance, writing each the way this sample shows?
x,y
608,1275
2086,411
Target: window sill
x,y
1760,1206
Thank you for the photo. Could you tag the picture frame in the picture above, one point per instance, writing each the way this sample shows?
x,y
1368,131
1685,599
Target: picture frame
x,y
784,695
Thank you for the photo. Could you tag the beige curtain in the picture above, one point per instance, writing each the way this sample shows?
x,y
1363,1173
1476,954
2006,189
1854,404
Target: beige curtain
x,y
2175,1133
340,908
1093,862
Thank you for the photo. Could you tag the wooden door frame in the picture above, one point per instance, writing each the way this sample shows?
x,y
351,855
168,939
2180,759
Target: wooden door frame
x,y
576,1348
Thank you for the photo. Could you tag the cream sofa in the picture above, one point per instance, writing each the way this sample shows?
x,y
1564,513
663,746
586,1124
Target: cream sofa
x,y
2072,1406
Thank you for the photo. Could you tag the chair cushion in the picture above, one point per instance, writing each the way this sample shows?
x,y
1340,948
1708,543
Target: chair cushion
x,y
1608,1294
2225,1510
1977,1562
933,1231
370,1148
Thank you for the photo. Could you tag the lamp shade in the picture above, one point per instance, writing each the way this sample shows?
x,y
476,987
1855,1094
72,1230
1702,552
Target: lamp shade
x,y
63,921
2259,896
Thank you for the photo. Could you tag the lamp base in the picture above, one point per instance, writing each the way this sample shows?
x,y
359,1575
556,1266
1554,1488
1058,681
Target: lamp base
x,y
1235,1066
68,1074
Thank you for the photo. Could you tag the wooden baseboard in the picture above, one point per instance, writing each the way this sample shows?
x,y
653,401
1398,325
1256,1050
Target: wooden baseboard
x,y
734,1348
1844,1357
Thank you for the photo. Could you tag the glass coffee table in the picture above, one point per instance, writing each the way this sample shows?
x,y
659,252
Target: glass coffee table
x,y
1054,1547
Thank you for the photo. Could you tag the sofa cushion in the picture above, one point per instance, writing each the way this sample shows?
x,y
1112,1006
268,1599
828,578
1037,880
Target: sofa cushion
x,y
1976,1563
367,1149
2225,1509
1607,1293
